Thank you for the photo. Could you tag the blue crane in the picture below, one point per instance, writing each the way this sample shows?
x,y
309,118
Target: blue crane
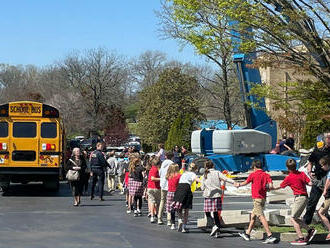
x,y
234,150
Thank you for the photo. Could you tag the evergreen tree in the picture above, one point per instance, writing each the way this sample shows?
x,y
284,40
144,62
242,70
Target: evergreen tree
x,y
173,95
175,134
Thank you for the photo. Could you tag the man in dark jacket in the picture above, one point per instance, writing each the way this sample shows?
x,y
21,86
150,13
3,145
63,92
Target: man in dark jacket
x,y
317,175
98,166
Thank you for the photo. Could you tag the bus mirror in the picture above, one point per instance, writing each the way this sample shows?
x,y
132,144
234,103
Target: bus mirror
x,y
4,110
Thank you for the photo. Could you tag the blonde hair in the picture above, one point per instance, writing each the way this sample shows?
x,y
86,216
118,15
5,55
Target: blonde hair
x,y
75,150
133,164
172,170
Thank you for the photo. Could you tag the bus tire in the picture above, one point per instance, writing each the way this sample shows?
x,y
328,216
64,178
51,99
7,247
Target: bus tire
x,y
5,188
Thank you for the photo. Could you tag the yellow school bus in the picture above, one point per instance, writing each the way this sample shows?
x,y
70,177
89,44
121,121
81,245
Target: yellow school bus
x,y
31,144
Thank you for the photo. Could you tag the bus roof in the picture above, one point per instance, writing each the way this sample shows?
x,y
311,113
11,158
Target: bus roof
x,y
28,109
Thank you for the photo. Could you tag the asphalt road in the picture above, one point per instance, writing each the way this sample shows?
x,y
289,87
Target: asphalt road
x,y
33,218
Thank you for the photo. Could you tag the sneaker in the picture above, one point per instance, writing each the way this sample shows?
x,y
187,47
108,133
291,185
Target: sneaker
x,y
214,230
160,222
152,219
169,223
245,236
300,241
173,227
139,212
128,211
135,213
149,215
126,203
327,238
184,230
270,240
180,224
217,234
310,235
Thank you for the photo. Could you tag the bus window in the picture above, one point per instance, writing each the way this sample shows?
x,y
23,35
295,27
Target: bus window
x,y
3,129
48,130
24,129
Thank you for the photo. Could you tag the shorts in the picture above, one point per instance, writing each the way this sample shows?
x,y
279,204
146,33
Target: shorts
x,y
258,207
325,206
298,206
154,195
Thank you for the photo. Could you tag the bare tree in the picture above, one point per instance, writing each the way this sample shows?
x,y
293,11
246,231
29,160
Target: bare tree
x,y
98,77
146,68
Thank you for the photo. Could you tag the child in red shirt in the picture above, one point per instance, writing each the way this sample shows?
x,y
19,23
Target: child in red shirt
x,y
297,181
260,182
154,188
173,177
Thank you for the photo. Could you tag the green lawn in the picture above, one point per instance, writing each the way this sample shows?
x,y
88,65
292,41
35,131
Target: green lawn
x,y
283,229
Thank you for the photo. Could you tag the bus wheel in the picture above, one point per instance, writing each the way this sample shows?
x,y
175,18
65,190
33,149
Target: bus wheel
x,y
5,188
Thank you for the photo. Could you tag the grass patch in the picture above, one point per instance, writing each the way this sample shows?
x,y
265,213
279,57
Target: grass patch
x,y
284,229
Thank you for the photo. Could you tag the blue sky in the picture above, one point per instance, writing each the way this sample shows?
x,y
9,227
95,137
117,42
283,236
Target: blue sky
x,y
41,32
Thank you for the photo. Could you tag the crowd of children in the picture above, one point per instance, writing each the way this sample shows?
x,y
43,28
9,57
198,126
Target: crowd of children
x,y
157,181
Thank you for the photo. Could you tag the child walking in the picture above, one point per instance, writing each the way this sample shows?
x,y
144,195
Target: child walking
x,y
325,164
173,176
211,186
259,180
136,185
297,181
183,196
154,188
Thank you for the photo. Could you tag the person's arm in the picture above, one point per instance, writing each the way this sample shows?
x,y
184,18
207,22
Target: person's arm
x,y
287,147
270,186
102,159
69,165
155,178
226,179
247,181
241,184
309,169
202,184
326,187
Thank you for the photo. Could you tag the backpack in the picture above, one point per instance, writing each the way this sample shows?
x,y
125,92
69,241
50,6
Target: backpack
x,y
112,169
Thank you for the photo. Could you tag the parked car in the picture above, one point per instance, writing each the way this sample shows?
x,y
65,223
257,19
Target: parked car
x,y
118,149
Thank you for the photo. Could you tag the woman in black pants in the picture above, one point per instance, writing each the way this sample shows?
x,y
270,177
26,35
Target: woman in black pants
x,y
77,162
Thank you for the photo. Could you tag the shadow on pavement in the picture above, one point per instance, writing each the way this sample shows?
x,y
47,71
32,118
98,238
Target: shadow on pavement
x,y
37,190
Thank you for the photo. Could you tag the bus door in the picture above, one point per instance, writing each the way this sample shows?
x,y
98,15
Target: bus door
x,y
50,145
24,143
4,142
